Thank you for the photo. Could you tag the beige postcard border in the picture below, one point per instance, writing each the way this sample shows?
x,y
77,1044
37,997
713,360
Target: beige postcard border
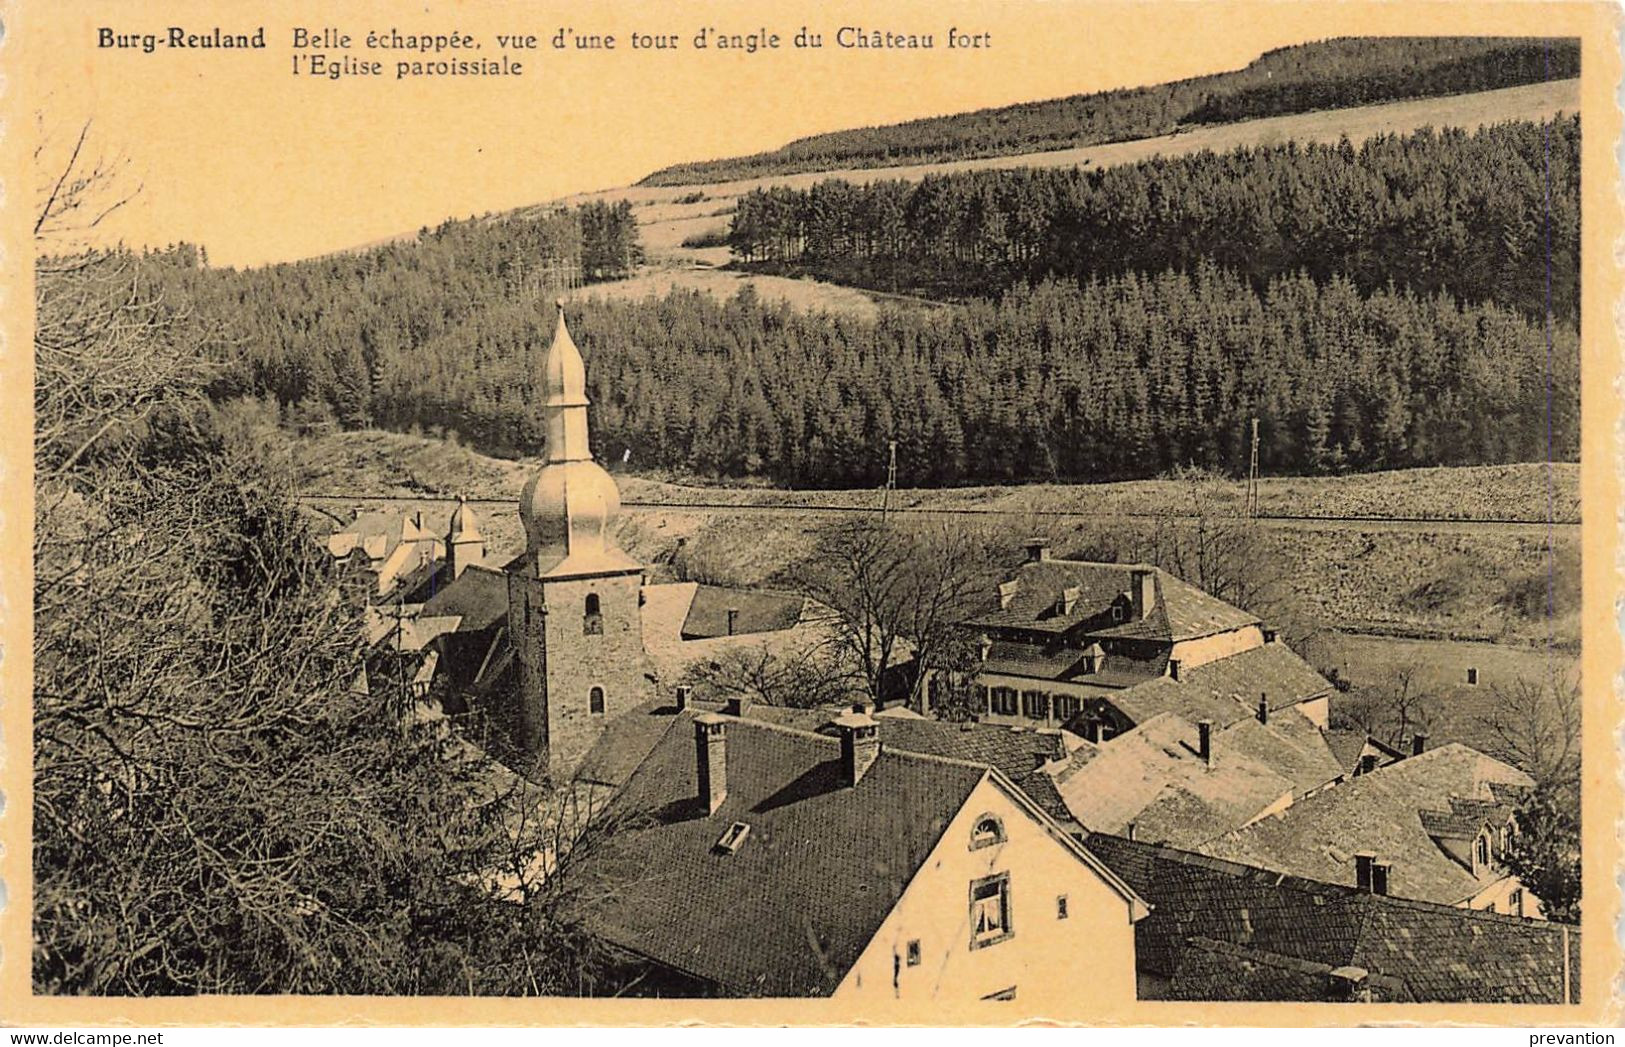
x,y
1596,23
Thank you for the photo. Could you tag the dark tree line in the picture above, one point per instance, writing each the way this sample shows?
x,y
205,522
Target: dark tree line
x,y
339,340
1486,216
1120,378
1327,74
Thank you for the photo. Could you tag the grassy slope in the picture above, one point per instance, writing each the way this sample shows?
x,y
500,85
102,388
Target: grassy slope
x,y
1419,579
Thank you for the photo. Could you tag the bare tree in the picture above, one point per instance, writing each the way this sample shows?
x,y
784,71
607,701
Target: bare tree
x,y
1394,709
1213,547
895,594
807,676
1536,723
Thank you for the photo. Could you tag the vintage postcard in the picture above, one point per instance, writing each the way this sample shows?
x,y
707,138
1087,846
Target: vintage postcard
x,y
902,513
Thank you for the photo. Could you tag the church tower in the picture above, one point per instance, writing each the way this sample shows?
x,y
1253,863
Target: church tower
x,y
573,600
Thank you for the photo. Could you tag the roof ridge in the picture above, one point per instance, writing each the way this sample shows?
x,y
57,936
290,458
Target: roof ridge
x,y
1295,882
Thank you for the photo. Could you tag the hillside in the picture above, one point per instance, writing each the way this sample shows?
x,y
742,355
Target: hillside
x,y
1323,75
1463,580
669,215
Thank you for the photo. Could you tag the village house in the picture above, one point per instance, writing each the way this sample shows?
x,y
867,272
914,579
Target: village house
x,y
746,858
1433,827
1169,780
1222,930
1102,647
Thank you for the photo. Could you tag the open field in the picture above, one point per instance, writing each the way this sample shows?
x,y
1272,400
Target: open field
x,y
1461,711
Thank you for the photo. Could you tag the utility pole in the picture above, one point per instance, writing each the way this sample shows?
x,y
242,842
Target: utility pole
x,y
891,479
1252,477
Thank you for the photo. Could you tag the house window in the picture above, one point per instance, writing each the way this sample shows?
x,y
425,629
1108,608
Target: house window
x,y
592,624
1060,907
1004,701
1117,612
1066,707
914,953
990,910
987,832
595,701
1034,705
1472,677
1483,849
981,698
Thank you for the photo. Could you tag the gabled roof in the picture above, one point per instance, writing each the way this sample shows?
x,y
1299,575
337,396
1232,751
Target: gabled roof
x,y
1437,953
478,596
1179,611
1379,813
1154,777
1215,970
1227,689
376,534
791,910
757,612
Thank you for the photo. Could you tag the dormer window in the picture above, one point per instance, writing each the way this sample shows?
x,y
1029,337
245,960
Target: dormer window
x,y
987,832
1483,851
592,623
730,842
1117,612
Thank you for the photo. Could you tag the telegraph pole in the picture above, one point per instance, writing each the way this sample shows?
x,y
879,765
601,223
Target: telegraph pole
x,y
891,478
1252,476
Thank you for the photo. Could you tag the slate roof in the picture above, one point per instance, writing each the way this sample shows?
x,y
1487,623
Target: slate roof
x,y
1011,658
790,911
1153,777
1381,813
1436,953
1221,971
1227,689
1018,754
479,597
758,612
1179,612
626,742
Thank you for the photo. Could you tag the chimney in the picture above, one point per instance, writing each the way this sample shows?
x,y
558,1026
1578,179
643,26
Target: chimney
x,y
1007,593
738,705
711,759
417,518
1204,741
682,697
1173,668
1094,730
1368,763
1142,592
985,646
860,745
1264,708
1037,550
1379,877
1362,869
1129,831
1348,985
733,620
1419,743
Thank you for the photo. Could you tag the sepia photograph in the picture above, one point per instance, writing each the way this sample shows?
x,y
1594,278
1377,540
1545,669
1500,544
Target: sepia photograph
x,y
1081,511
